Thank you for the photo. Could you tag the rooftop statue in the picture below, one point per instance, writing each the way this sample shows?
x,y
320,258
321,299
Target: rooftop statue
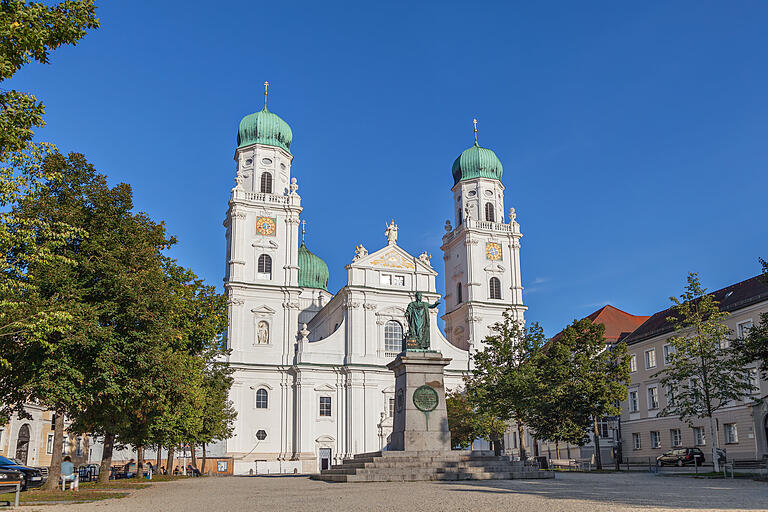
x,y
391,233
417,315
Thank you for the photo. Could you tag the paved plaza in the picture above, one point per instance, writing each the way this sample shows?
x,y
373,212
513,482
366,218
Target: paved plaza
x,y
568,492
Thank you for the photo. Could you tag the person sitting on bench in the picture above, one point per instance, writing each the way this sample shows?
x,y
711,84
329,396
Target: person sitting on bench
x,y
68,474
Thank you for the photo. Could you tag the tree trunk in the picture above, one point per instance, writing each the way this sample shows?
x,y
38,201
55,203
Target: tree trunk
x,y
203,465
194,455
557,449
159,459
535,447
169,467
139,461
106,458
596,437
54,470
713,435
521,437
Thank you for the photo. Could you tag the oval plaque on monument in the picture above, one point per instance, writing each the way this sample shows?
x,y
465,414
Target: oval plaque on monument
x,y
425,398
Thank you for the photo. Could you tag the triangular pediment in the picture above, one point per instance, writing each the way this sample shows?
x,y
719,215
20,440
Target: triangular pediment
x,y
392,257
263,310
325,387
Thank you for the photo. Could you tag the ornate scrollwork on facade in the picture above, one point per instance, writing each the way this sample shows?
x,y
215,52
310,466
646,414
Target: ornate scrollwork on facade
x,y
291,305
292,220
369,306
235,301
351,305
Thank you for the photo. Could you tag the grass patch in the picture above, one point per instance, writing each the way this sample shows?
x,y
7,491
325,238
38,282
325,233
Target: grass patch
x,y
36,496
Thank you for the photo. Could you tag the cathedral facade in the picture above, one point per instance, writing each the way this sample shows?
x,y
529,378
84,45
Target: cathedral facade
x,y
311,386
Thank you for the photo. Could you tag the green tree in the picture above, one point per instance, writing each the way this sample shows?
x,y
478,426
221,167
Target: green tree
x,y
114,292
461,419
218,413
501,382
29,31
701,377
754,346
578,379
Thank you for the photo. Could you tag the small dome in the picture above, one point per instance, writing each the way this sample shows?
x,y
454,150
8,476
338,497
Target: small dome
x,y
476,162
264,127
313,272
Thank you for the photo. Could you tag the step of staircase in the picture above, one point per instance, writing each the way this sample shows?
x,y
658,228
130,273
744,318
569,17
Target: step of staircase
x,y
422,466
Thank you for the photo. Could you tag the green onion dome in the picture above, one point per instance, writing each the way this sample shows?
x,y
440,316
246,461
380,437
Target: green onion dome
x,y
313,272
264,127
476,162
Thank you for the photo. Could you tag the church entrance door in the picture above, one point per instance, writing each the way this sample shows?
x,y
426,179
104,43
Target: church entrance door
x,y
22,444
325,458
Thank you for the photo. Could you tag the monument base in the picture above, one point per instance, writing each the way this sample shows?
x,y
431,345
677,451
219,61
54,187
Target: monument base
x,y
421,419
420,466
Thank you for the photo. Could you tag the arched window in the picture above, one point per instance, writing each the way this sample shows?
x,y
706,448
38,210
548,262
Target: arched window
x,y
262,399
393,336
489,212
458,293
265,264
266,182
495,288
458,216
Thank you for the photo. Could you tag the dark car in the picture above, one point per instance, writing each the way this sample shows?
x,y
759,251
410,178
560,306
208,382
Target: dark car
x,y
7,476
681,457
31,477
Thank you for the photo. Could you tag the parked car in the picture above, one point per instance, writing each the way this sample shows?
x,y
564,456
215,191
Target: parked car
x,y
681,457
9,475
32,477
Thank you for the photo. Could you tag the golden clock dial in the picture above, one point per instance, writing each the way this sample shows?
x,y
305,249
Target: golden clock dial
x,y
493,251
265,226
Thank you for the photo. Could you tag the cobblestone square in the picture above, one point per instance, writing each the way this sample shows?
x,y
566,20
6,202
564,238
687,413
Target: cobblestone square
x,y
568,492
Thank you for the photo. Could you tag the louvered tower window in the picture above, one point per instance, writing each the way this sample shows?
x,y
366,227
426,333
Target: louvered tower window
x,y
265,264
495,286
266,183
489,212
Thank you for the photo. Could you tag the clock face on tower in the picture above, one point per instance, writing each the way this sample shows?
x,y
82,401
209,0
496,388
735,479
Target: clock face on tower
x,y
265,226
493,251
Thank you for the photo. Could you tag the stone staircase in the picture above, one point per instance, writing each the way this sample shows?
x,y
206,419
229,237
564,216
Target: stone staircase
x,y
400,466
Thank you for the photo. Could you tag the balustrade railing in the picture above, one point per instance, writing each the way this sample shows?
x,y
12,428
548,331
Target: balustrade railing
x,y
261,197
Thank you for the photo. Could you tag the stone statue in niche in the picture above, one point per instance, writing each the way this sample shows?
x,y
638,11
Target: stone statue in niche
x,y
262,333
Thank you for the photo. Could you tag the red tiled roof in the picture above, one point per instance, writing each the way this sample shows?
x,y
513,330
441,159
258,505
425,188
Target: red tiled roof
x,y
617,323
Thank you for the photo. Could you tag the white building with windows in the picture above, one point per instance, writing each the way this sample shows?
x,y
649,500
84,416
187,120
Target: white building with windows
x,y
311,384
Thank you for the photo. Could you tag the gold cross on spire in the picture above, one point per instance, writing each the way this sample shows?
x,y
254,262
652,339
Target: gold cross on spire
x,y
303,229
266,85
474,121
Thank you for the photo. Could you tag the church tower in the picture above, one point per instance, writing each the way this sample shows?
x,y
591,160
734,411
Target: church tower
x,y
481,253
262,272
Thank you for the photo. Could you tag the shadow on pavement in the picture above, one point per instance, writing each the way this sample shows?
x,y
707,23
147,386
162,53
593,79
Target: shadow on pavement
x,y
638,489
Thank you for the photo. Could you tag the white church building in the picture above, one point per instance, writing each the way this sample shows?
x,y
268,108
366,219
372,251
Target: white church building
x,y
311,386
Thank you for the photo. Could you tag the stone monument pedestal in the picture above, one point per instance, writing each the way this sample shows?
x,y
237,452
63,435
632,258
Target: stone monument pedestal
x,y
421,420
420,445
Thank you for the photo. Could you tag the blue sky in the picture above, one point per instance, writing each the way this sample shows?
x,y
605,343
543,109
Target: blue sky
x,y
633,134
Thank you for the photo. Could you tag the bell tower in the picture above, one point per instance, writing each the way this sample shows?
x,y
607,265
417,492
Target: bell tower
x,y
262,270
481,252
